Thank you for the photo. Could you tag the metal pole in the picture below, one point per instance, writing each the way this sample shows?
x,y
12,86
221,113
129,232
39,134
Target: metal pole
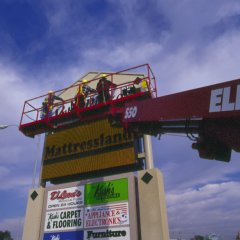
x,y
42,183
36,161
148,151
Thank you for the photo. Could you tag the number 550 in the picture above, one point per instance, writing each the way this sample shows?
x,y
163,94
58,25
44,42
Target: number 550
x,y
130,112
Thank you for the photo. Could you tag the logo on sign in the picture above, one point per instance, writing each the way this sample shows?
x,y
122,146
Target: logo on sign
x,y
109,215
122,233
221,99
64,235
68,197
55,237
66,219
106,234
105,192
64,194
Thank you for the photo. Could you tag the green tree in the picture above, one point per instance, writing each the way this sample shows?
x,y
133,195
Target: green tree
x,y
198,237
5,235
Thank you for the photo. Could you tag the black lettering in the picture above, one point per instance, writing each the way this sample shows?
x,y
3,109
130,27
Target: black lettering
x,y
58,151
75,222
68,223
89,234
106,234
117,138
64,149
89,144
64,224
101,139
83,145
127,136
50,152
96,142
70,148
108,140
75,147
55,224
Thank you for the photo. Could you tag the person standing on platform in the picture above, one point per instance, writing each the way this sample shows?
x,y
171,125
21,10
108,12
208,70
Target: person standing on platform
x,y
48,104
82,93
103,87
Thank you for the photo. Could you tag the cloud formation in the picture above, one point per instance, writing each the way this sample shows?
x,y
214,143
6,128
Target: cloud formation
x,y
188,44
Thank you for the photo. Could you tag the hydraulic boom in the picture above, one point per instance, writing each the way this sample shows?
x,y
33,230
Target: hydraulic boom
x,y
212,112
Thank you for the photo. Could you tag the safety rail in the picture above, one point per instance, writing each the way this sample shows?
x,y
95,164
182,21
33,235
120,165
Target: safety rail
x,y
128,85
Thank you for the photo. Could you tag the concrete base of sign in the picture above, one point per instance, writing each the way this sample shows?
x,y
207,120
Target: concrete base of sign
x,y
152,206
33,214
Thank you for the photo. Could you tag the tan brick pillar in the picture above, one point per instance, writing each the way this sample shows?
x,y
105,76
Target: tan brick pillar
x,y
152,205
33,215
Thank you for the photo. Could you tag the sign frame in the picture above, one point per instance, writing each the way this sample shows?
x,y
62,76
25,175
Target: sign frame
x,y
125,150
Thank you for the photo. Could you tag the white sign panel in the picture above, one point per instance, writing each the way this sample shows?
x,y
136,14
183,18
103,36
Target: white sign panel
x,y
106,215
122,233
65,198
64,220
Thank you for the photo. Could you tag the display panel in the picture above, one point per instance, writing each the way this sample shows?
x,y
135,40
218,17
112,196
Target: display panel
x,y
87,148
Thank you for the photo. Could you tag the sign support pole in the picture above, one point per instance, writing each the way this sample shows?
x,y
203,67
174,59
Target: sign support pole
x,y
148,151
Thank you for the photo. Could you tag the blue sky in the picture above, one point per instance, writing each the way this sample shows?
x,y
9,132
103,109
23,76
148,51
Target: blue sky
x,y
49,44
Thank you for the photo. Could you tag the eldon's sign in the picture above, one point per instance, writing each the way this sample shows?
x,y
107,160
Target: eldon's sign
x,y
64,198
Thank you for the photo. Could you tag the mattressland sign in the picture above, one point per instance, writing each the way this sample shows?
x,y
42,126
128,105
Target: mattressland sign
x,y
87,148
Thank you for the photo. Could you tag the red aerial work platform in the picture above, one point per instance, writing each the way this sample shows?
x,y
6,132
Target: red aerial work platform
x,y
65,113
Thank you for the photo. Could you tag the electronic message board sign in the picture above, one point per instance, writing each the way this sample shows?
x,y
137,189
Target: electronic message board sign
x,y
91,147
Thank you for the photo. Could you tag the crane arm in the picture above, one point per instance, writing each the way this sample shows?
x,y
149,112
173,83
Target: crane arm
x,y
213,112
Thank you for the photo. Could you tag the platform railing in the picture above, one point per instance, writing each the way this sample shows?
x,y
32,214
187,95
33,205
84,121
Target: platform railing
x,y
33,108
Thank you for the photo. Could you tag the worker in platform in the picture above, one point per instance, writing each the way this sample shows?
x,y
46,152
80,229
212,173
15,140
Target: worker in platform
x,y
82,93
143,82
144,85
103,87
238,236
48,103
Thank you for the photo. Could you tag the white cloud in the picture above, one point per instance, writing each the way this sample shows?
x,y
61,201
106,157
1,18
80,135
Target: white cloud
x,y
15,89
201,196
217,62
129,54
204,210
17,151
